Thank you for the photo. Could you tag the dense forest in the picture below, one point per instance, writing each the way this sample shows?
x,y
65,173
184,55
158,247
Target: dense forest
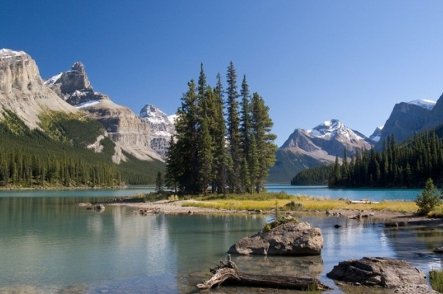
x,y
408,164
57,155
313,176
399,165
225,145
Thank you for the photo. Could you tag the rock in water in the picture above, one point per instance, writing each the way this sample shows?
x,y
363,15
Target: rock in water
x,y
297,239
378,271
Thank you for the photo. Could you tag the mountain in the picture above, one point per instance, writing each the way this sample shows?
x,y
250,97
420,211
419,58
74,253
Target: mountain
x,y
162,127
314,147
435,118
130,134
23,92
376,135
46,141
409,118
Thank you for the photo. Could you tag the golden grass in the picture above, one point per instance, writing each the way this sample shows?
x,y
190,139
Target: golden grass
x,y
308,204
437,212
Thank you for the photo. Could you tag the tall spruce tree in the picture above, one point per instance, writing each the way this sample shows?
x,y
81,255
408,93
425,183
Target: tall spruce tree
x,y
174,166
262,126
187,145
204,131
219,141
245,137
233,131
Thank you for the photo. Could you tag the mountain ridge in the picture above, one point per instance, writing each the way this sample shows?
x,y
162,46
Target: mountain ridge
x,y
315,147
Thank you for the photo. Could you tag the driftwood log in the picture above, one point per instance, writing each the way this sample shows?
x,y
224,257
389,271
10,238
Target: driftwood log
x,y
228,273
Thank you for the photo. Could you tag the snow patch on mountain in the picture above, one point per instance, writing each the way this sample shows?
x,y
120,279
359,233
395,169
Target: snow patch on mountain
x,y
88,104
52,80
425,103
376,135
8,53
162,127
334,128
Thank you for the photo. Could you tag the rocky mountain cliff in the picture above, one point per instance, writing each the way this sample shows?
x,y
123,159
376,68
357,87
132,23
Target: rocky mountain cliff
x,y
407,119
314,147
162,128
123,126
22,90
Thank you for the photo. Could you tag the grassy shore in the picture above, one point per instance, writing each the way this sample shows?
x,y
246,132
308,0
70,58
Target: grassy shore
x,y
267,201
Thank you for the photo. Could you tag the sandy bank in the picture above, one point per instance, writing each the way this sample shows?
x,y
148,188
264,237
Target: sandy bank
x,y
184,207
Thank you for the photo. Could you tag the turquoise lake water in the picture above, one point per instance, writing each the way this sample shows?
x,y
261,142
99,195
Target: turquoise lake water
x,y
50,245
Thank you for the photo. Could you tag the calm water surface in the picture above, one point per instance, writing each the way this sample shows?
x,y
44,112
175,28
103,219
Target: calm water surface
x,y
353,194
48,245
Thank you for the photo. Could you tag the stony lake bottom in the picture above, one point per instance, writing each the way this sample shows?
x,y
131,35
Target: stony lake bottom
x,y
49,244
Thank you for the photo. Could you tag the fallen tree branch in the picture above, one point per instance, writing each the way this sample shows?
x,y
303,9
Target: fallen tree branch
x,y
228,273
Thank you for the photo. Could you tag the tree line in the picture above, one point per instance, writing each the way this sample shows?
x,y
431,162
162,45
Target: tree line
x,y
34,158
221,144
398,165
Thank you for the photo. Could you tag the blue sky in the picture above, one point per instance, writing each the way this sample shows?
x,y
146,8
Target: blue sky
x,y
311,60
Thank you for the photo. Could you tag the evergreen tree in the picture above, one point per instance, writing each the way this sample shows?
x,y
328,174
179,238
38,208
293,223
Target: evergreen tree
x,y
233,131
220,152
245,142
262,125
428,199
187,129
159,183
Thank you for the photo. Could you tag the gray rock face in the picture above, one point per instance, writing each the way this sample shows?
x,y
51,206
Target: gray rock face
x,y
123,126
435,119
376,135
405,121
22,90
297,239
378,271
162,128
318,146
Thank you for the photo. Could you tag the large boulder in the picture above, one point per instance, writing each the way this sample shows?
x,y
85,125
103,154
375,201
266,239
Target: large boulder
x,y
298,239
378,271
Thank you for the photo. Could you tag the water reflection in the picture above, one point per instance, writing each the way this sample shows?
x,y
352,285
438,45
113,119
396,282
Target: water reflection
x,y
50,244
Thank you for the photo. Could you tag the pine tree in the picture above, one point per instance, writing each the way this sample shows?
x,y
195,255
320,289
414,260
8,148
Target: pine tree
x,y
159,183
428,199
220,152
245,133
262,125
187,128
233,131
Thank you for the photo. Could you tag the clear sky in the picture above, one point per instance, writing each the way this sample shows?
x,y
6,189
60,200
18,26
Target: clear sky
x,y
311,60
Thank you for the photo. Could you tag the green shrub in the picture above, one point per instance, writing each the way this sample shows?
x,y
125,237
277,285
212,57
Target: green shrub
x,y
293,206
428,199
436,279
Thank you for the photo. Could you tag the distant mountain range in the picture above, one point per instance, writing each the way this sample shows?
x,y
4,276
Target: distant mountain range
x,y
314,147
34,101
320,145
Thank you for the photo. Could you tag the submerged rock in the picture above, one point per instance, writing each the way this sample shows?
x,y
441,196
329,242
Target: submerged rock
x,y
298,239
379,272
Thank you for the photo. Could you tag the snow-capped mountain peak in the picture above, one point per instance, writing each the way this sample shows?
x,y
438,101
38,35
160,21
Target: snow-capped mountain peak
x,y
376,135
425,103
162,127
334,128
8,53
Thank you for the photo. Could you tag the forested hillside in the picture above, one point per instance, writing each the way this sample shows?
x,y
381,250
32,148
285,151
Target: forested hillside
x,y
57,155
399,165
313,176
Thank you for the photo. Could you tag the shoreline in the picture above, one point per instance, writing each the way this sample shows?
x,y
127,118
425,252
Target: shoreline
x,y
389,218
